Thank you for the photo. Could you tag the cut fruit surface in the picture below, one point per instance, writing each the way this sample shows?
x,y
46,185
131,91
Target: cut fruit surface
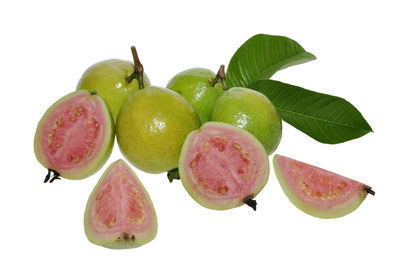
x,y
119,212
75,136
222,166
316,191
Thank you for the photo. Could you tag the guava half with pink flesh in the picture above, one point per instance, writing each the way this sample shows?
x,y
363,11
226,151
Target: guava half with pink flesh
x,y
316,191
75,136
119,213
222,166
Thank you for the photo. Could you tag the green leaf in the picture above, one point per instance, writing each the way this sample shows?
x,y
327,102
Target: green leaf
x,y
263,55
325,118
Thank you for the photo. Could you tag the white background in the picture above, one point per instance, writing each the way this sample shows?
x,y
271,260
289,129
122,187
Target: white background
x,y
46,46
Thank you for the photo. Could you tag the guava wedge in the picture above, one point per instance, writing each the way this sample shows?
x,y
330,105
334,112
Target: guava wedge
x,y
222,166
75,136
119,212
316,191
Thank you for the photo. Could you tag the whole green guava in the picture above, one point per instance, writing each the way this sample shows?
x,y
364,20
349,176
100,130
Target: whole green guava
x,y
114,80
251,110
200,87
152,126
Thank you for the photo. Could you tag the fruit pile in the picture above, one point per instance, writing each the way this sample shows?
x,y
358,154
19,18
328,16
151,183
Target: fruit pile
x,y
214,138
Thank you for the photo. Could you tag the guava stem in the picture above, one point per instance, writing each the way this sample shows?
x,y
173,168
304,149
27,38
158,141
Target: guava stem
x,y
173,174
220,77
93,92
55,176
369,190
138,69
47,178
250,202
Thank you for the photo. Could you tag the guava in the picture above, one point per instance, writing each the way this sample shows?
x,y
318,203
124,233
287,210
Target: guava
x,y
114,80
319,192
75,136
250,110
200,87
152,126
222,166
119,212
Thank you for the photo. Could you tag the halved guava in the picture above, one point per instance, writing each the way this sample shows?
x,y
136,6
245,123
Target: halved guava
x,y
75,136
316,191
223,166
119,213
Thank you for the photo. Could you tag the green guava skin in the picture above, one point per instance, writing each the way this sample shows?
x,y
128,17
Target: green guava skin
x,y
195,86
108,78
250,110
152,126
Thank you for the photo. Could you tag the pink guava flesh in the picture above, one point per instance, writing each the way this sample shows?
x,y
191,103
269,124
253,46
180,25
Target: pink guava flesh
x,y
73,133
312,188
119,212
222,165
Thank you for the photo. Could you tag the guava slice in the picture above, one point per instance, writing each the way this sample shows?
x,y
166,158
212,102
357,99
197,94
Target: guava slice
x,y
222,166
75,136
119,213
316,191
